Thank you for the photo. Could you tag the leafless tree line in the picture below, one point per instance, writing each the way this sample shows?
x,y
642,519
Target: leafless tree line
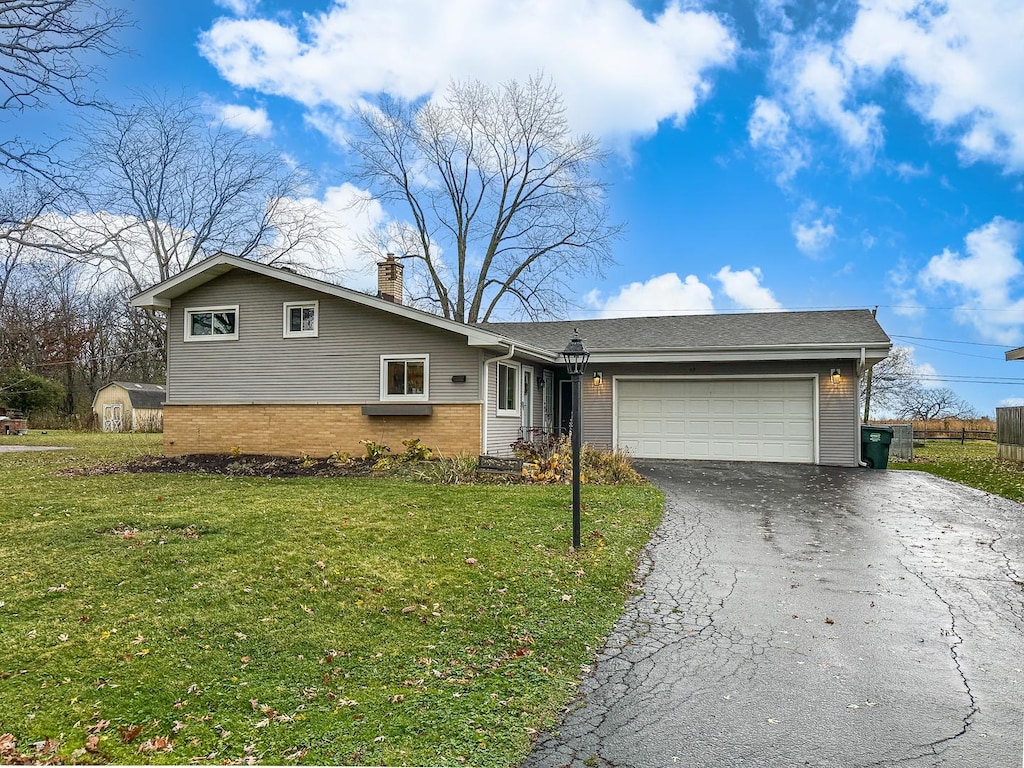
x,y
154,189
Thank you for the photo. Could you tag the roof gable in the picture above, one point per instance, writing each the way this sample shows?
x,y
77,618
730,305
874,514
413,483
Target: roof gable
x,y
160,296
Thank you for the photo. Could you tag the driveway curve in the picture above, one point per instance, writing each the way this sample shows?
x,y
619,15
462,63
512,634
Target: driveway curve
x,y
795,615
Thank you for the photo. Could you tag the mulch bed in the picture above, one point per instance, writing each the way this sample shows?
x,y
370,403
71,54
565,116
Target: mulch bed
x,y
243,465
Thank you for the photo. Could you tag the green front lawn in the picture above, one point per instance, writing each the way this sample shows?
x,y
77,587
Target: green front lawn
x,y
974,464
178,618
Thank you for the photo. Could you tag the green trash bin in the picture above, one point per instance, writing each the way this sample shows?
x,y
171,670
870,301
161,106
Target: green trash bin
x,y
874,445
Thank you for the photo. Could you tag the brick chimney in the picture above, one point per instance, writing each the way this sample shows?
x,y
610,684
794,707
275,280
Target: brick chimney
x,y
389,279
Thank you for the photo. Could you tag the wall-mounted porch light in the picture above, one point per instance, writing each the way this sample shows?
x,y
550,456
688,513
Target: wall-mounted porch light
x,y
598,378
836,377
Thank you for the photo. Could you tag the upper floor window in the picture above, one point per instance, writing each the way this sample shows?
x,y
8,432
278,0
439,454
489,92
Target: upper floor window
x,y
404,377
211,323
508,391
301,318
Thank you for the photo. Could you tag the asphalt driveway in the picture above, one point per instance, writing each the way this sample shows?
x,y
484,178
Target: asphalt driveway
x,y
794,615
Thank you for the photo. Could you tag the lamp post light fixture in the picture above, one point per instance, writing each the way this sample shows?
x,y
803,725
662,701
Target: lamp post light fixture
x,y
576,357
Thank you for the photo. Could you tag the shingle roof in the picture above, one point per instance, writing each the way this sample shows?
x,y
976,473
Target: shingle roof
x,y
694,332
149,396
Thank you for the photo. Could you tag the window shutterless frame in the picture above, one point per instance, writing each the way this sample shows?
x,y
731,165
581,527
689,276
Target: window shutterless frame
x,y
211,323
508,389
405,378
301,319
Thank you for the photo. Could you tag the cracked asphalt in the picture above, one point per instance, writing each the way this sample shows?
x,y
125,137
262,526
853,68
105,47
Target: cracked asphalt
x,y
796,615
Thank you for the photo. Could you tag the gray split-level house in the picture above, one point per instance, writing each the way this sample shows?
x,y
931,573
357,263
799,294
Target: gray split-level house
x,y
265,360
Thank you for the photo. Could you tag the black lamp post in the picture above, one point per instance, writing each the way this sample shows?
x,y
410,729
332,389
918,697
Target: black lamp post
x,y
576,357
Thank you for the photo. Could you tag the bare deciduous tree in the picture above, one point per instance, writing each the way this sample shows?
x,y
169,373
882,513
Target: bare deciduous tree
x,y
162,188
46,47
924,403
889,379
896,389
504,203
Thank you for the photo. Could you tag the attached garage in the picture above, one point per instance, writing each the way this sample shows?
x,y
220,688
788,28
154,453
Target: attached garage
x,y
769,419
777,386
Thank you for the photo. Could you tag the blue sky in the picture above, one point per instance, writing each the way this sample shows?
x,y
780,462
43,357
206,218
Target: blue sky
x,y
765,154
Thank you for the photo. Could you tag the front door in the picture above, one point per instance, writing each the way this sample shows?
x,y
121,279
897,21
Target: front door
x,y
113,417
526,402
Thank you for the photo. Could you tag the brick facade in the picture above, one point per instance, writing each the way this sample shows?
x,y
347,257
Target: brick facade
x,y
314,430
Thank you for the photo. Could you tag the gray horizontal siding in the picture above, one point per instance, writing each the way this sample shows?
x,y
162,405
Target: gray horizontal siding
x,y
502,430
341,365
838,442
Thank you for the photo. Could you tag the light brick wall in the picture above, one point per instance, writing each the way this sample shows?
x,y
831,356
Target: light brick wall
x,y
314,430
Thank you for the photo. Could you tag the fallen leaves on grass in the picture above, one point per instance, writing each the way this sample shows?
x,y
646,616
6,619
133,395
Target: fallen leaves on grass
x,y
129,733
157,744
43,752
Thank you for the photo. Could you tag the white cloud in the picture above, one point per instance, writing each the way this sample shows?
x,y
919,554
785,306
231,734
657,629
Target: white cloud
x,y
661,295
962,60
348,217
352,218
908,171
819,88
814,236
956,63
246,119
1011,402
900,285
769,129
987,281
744,288
620,73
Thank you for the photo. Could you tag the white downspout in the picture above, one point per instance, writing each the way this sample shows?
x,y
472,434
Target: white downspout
x,y
483,421
856,403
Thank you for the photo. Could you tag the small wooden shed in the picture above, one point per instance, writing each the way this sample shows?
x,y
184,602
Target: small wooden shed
x,y
130,406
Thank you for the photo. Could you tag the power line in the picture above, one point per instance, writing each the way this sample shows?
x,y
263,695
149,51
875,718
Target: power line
x,y
949,341
953,379
953,351
97,358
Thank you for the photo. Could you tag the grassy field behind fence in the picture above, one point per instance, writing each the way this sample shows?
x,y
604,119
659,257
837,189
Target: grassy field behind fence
x,y
168,619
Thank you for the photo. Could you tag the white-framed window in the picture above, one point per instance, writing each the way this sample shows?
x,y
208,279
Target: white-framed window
x,y
508,389
211,323
404,377
301,319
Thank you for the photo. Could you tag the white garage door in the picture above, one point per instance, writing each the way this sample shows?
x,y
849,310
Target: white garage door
x,y
725,419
